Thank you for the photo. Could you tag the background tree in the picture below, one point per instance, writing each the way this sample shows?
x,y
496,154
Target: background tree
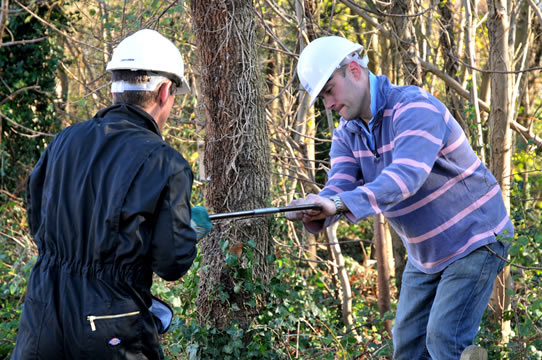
x,y
29,59
305,312
236,162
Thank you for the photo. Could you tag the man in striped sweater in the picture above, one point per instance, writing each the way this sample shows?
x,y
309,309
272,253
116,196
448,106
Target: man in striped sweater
x,y
398,151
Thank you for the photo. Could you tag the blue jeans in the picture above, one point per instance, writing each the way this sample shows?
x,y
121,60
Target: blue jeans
x,y
438,315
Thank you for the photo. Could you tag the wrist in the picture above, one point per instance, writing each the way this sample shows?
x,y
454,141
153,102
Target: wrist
x,y
339,204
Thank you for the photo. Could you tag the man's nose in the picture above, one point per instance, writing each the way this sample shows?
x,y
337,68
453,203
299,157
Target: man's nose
x,y
329,103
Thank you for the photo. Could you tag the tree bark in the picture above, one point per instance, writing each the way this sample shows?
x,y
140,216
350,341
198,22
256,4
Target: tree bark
x,y
345,293
4,6
406,43
470,39
448,46
236,160
305,124
399,257
500,118
381,241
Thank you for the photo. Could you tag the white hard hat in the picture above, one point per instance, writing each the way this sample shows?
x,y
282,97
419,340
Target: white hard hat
x,y
319,60
149,50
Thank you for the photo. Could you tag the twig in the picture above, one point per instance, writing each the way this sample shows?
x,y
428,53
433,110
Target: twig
x,y
536,10
23,42
511,263
493,71
379,12
54,27
34,132
16,92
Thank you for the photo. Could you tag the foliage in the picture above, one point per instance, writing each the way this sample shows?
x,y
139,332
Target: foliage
x,y
524,255
28,75
17,255
302,319
526,311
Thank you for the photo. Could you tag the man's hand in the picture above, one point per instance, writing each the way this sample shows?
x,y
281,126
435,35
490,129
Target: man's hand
x,y
328,209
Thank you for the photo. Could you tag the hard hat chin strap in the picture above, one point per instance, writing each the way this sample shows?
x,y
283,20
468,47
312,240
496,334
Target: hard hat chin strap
x,y
151,85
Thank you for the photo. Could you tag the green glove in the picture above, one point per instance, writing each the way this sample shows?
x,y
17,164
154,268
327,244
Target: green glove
x,y
200,221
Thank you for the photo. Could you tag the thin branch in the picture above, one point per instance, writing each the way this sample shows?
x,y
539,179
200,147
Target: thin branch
x,y
493,71
379,12
536,10
157,18
528,133
358,10
511,263
3,18
12,96
23,42
275,37
54,27
34,132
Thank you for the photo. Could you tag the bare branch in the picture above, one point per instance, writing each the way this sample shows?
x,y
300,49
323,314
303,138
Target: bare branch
x,y
12,96
33,132
3,18
493,71
527,133
23,42
536,10
379,12
54,27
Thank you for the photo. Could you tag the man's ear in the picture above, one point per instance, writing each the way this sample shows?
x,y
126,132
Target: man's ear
x,y
163,93
355,69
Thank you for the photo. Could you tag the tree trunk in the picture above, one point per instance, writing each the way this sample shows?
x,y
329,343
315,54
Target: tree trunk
x,y
471,52
380,234
306,124
236,161
500,144
448,45
399,257
406,42
345,293
4,7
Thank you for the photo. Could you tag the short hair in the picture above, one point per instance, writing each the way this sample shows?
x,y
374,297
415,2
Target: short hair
x,y
136,97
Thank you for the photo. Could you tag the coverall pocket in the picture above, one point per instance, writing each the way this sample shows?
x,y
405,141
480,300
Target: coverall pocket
x,y
115,334
30,330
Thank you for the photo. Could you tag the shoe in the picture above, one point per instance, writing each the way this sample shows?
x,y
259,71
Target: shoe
x,y
474,352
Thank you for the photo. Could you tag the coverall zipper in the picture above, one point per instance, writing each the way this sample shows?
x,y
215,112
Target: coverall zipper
x,y
92,318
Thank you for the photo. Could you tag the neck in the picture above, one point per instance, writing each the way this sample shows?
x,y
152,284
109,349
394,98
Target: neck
x,y
155,111
366,114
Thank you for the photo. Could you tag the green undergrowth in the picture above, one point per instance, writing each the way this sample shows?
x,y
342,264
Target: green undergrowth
x,y
302,318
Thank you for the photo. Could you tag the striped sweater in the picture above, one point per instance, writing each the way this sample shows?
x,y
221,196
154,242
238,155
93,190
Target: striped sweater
x,y
422,175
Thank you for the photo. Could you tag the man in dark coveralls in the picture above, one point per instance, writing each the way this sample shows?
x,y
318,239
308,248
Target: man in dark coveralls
x,y
108,205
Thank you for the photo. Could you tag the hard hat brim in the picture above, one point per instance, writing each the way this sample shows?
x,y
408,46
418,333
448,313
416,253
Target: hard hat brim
x,y
184,88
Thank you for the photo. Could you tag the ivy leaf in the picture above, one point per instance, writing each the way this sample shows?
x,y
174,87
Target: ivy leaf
x,y
523,240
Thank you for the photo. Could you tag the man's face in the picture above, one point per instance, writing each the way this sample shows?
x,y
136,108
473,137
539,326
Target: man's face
x,y
344,92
